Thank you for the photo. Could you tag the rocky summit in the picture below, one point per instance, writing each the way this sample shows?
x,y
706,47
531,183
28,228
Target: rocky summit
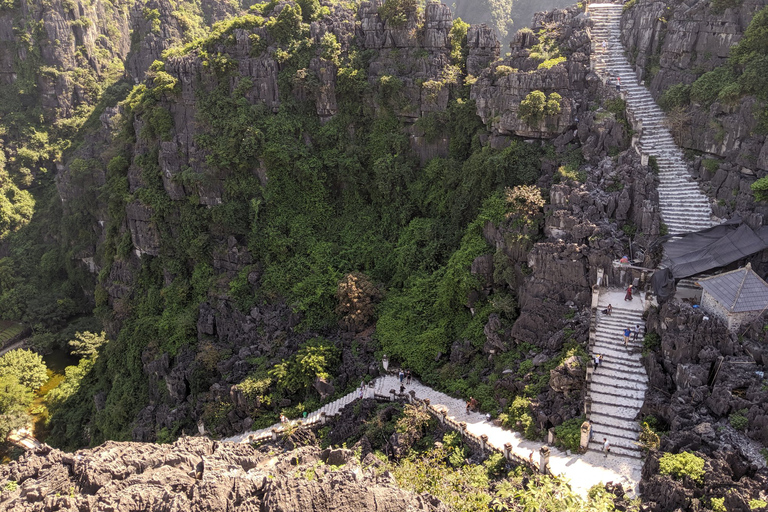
x,y
383,255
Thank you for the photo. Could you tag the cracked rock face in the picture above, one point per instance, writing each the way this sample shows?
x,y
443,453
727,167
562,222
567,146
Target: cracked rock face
x,y
197,474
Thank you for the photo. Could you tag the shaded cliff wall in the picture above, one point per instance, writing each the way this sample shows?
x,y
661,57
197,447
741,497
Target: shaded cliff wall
x,y
672,45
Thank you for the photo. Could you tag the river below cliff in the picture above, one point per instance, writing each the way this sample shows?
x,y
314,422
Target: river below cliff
x,y
56,362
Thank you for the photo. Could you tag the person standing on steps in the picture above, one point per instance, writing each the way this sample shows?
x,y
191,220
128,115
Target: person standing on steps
x,y
408,377
636,332
618,83
627,332
606,447
401,376
628,296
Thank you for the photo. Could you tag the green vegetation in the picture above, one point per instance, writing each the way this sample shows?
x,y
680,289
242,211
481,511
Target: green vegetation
x,y
312,361
719,6
648,438
9,330
651,342
744,74
568,434
25,366
343,225
738,419
679,95
536,106
14,400
757,504
681,465
760,189
396,12
549,63
717,505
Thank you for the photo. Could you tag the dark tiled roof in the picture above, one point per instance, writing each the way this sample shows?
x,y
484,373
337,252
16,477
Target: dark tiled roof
x,y
738,291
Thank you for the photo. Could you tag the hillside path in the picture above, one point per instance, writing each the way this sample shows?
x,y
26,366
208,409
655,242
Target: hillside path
x,y
582,470
684,208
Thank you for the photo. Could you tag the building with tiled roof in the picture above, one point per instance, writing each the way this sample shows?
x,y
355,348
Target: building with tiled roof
x,y
736,297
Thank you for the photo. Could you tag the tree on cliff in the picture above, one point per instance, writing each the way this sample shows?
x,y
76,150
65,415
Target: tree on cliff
x,y
86,344
26,366
14,400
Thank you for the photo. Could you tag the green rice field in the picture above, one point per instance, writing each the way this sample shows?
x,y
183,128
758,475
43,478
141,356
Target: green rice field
x,y
8,330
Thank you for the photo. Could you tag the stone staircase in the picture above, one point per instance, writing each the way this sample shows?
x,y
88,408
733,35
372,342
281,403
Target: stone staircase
x,y
684,207
617,388
330,409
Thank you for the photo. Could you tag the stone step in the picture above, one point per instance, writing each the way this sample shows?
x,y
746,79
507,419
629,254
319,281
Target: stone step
x,y
689,208
615,410
636,396
614,349
628,387
615,321
630,379
622,450
601,430
615,396
624,436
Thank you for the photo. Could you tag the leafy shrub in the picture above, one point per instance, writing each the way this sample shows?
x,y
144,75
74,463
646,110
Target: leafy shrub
x,y
396,12
719,6
457,451
520,417
495,465
628,5
760,189
314,359
458,38
15,398
738,419
648,438
651,342
536,106
87,344
707,87
549,63
757,504
504,71
568,434
711,165
717,505
26,366
679,95
681,465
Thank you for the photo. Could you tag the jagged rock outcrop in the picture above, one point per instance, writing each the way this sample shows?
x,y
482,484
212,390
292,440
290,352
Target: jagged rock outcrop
x,y
197,474
701,408
500,89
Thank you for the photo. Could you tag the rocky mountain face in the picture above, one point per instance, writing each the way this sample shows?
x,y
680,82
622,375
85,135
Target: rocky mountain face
x,y
200,474
673,45
721,417
549,265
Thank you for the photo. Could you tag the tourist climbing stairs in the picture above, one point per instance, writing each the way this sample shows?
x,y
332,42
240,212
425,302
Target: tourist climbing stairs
x,y
617,387
684,208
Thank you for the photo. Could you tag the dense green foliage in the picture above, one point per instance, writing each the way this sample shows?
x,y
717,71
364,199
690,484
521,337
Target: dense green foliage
x,y
681,465
537,106
26,366
760,189
314,201
14,400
